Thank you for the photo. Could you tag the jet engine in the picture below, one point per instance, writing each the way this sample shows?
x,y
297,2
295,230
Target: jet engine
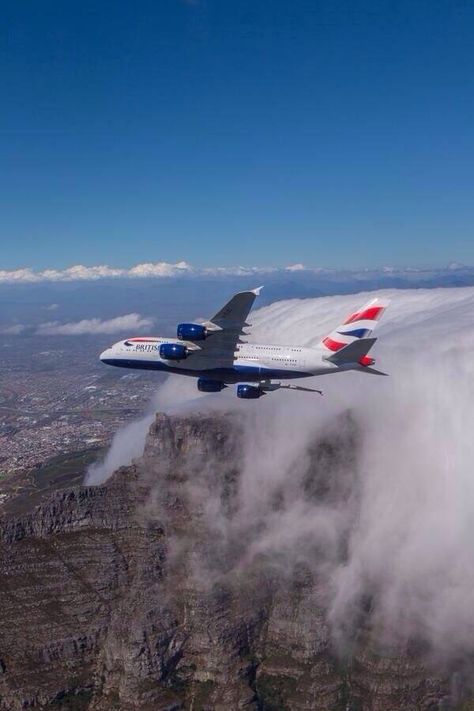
x,y
206,385
191,332
173,351
249,392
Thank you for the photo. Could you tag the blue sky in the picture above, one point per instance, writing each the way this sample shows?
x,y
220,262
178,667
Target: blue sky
x,y
335,133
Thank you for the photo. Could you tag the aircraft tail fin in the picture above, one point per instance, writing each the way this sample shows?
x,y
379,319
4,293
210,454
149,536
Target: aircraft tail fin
x,y
358,325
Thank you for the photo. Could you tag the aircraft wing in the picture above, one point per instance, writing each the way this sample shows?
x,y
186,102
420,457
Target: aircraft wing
x,y
226,328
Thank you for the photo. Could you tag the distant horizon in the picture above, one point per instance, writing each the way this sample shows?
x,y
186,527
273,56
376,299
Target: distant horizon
x,y
164,270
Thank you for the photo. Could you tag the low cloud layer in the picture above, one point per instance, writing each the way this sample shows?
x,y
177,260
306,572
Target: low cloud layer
x,y
79,272
166,270
14,330
128,322
402,534
146,270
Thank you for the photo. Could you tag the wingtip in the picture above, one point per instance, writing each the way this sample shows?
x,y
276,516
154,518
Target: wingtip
x,y
257,290
381,301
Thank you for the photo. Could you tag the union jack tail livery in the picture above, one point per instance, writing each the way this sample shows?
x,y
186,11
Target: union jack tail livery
x,y
358,326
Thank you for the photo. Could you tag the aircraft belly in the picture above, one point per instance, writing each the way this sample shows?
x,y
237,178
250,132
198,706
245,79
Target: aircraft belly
x,y
228,374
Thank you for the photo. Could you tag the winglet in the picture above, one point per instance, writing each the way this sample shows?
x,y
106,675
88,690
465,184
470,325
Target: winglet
x,y
257,290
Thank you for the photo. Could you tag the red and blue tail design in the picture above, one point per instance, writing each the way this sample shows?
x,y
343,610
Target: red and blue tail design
x,y
360,324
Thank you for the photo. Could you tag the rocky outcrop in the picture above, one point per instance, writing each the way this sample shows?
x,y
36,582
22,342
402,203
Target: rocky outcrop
x,y
138,595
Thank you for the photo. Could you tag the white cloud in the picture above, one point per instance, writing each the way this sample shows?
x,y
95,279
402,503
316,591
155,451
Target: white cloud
x,y
14,330
25,276
159,269
238,271
164,270
128,322
80,272
409,521
296,268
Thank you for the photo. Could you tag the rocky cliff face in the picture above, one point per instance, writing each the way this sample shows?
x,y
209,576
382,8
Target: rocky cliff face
x,y
141,594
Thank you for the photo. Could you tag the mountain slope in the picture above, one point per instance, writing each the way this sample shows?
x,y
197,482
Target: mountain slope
x,y
145,593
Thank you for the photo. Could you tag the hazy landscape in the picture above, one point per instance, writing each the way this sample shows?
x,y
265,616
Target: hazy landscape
x,y
321,546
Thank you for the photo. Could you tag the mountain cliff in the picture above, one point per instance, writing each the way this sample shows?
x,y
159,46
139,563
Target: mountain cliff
x,y
150,593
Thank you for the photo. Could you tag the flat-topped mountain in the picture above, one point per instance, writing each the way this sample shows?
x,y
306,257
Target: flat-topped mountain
x,y
159,590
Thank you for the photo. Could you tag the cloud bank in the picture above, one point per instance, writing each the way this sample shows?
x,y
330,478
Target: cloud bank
x,y
14,330
396,529
128,322
167,270
147,270
79,272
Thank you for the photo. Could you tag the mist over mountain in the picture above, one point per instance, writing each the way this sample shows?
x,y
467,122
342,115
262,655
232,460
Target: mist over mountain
x,y
409,529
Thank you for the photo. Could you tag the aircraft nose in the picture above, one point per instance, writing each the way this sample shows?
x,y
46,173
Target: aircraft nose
x,y
105,355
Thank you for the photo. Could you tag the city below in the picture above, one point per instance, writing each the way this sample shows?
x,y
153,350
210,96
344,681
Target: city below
x,y
62,401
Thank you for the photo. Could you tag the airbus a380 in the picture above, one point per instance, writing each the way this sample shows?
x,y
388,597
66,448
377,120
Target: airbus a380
x,y
215,353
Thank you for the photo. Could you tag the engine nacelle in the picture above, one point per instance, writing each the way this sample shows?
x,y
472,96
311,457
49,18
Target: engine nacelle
x,y
173,351
191,332
249,392
206,385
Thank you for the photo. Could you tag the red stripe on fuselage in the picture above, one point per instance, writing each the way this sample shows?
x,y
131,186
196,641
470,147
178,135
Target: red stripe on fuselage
x,y
333,345
370,314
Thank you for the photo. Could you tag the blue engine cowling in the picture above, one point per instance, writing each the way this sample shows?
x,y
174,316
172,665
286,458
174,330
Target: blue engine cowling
x,y
191,332
206,385
249,392
173,351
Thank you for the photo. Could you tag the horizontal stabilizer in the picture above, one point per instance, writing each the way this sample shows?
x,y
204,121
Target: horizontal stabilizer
x,y
353,352
373,371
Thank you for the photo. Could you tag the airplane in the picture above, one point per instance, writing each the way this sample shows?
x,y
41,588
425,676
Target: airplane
x,y
214,352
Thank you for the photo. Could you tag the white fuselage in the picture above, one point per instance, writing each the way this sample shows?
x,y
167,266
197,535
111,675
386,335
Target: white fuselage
x,y
250,362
